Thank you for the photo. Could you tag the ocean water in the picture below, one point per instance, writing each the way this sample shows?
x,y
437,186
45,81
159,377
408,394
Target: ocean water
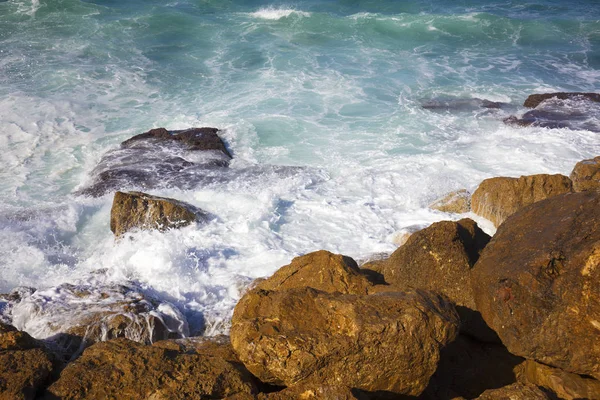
x,y
332,88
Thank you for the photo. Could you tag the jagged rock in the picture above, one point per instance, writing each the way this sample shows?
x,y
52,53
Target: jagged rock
x,y
563,384
516,391
319,270
387,342
498,198
455,202
161,158
586,175
305,392
143,211
25,366
468,367
87,314
534,100
536,282
440,258
124,369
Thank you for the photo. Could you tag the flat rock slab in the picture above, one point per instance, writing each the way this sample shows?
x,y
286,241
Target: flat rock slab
x,y
534,100
536,282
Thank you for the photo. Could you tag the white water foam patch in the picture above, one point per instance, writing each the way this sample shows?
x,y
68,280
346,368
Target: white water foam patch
x,y
274,14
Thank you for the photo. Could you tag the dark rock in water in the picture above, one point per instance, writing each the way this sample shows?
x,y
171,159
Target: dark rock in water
x,y
561,383
534,100
498,198
516,391
137,210
25,366
159,158
440,258
387,342
468,367
586,175
122,369
460,104
536,282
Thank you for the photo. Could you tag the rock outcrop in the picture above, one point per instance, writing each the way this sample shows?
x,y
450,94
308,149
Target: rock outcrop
x,y
388,342
561,383
137,210
498,198
125,370
457,202
586,175
25,366
534,100
536,282
516,391
440,258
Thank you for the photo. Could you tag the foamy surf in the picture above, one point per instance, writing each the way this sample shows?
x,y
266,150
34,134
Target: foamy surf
x,y
274,14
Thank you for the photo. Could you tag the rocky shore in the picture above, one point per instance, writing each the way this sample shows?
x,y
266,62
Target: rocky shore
x,y
452,314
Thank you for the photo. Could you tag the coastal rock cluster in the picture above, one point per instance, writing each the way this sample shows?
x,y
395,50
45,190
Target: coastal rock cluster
x,y
452,314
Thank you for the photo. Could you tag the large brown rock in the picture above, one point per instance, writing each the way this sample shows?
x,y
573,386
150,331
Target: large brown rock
x,y
440,258
586,175
320,270
122,369
306,392
534,100
25,366
516,391
498,198
536,283
387,342
563,384
143,211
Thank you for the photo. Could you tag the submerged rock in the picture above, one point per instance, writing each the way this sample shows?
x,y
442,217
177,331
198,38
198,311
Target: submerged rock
x,y
534,100
143,211
440,258
124,369
192,139
536,283
460,104
25,366
497,198
563,384
455,202
586,175
388,342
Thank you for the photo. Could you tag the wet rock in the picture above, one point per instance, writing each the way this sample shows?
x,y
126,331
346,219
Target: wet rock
x,y
468,367
460,104
137,210
72,317
319,270
455,202
497,198
516,391
25,366
534,100
440,258
561,383
536,282
124,369
586,175
387,342
160,158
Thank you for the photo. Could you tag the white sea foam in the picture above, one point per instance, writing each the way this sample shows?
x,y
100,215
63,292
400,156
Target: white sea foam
x,y
274,13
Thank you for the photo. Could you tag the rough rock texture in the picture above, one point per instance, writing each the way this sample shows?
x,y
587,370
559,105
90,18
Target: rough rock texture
x,y
455,202
534,100
586,175
516,391
319,270
440,258
305,392
25,366
122,369
194,139
498,198
387,342
536,283
563,384
143,211
468,367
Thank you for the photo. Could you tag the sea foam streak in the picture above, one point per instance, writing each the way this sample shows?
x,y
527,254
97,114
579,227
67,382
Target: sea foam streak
x,y
272,13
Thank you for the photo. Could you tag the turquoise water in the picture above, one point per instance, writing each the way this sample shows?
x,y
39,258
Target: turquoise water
x,y
333,87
